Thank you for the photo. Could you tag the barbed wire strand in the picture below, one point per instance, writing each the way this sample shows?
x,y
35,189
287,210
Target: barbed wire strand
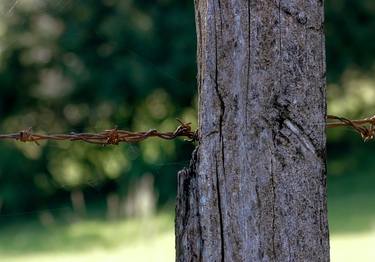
x,y
365,127
108,137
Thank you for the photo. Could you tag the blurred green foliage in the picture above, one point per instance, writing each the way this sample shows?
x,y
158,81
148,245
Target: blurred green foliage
x,y
70,65
87,66
94,240
350,36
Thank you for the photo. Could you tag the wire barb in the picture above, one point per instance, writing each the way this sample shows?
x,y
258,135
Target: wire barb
x,y
108,137
365,127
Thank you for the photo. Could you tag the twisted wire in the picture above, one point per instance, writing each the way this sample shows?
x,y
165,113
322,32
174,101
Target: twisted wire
x,y
365,127
107,137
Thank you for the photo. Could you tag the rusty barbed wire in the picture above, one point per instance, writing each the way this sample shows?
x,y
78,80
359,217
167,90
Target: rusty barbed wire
x,y
108,137
365,127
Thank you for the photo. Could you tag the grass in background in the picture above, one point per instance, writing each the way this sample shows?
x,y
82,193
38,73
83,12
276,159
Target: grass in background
x,y
138,240
147,239
152,239
351,198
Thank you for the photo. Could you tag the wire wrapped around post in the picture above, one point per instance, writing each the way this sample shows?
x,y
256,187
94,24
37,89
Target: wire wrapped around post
x,y
365,127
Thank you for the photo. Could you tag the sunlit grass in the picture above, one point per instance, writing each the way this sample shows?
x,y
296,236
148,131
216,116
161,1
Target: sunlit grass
x,y
352,227
353,247
141,240
351,209
157,249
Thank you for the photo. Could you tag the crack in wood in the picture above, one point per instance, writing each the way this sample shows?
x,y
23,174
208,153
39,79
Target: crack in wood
x,y
222,112
253,208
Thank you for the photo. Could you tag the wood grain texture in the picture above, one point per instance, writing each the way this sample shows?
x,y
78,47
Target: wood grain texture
x,y
256,190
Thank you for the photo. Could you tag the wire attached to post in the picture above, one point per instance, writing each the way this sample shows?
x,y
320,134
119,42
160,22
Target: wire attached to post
x,y
108,137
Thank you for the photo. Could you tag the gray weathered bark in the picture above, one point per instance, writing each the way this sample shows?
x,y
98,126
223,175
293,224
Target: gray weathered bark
x,y
256,187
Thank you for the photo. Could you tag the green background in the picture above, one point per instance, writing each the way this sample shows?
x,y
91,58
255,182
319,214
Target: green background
x,y
86,66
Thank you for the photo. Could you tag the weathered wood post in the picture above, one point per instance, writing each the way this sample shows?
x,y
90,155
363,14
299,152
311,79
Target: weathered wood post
x,y
256,187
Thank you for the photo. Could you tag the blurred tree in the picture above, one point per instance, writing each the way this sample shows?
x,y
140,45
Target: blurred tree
x,y
86,66
69,65
349,36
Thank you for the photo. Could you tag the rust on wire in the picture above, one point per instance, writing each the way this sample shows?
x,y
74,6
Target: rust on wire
x,y
108,137
365,127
